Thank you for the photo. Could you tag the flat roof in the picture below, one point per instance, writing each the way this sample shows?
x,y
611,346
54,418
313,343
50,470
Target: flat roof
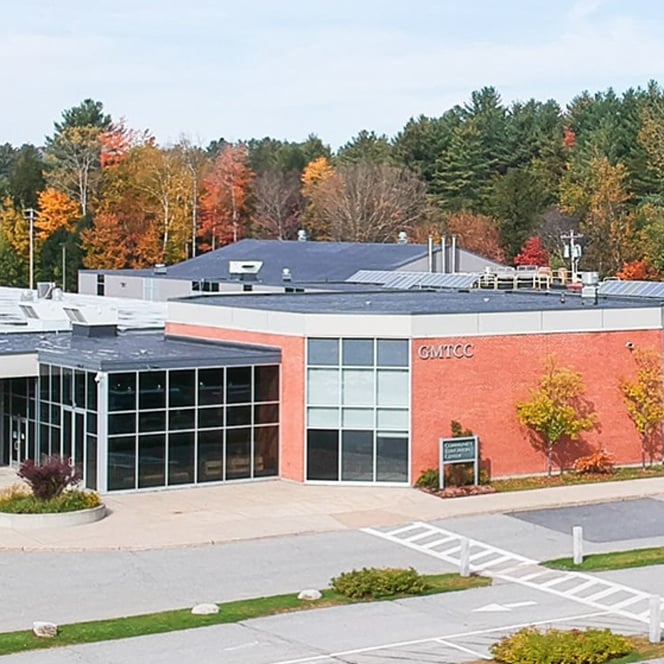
x,y
134,350
418,302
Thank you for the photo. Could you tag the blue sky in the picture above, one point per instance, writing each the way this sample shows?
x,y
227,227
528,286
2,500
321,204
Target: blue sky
x,y
286,68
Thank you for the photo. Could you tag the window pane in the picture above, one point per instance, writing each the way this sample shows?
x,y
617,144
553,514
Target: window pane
x,y
55,414
266,387
152,392
323,417
122,423
266,413
67,384
181,419
122,462
91,462
322,455
357,456
181,388
79,388
91,422
323,351
238,416
55,384
358,352
238,385
181,458
122,391
238,453
358,387
152,420
210,387
151,460
211,456
323,386
392,419
92,391
44,382
266,451
358,418
391,458
393,388
209,418
392,353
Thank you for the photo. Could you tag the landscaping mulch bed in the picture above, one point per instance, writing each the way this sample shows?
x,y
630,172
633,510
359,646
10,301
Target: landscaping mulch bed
x,y
459,491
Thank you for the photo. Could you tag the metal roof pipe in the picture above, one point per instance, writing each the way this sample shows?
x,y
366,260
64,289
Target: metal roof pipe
x,y
443,251
430,253
454,255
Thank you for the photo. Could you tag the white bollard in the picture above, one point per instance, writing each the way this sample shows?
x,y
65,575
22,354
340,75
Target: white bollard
x,y
464,557
655,630
577,544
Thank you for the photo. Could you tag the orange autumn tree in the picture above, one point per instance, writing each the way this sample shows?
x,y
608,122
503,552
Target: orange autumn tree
x,y
477,233
223,202
117,140
315,173
56,211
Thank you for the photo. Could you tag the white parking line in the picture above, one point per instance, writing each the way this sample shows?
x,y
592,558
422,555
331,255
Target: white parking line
x,y
474,653
440,639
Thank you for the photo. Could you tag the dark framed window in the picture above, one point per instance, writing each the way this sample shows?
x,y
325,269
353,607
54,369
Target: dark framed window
x,y
266,383
238,385
210,418
181,388
122,391
323,454
210,387
238,453
152,460
122,462
152,390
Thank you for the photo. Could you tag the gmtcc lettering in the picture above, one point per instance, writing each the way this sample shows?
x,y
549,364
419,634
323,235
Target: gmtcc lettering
x,y
445,351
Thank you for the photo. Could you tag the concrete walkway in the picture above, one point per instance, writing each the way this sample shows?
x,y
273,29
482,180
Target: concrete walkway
x,y
204,515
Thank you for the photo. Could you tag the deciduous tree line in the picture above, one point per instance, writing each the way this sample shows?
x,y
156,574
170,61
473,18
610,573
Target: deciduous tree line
x,y
507,180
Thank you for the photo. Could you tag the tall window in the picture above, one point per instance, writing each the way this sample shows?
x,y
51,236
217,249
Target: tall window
x,y
185,426
358,410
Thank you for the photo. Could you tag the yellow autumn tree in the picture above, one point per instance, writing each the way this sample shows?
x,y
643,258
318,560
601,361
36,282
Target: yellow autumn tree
x,y
14,246
315,173
643,395
596,192
56,211
556,409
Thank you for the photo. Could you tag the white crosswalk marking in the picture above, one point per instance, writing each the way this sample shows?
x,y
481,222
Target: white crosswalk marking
x,y
508,566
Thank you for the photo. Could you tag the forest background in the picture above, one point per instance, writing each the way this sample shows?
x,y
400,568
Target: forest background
x,y
508,180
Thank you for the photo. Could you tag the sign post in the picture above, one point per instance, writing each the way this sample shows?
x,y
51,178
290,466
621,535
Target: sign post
x,y
459,450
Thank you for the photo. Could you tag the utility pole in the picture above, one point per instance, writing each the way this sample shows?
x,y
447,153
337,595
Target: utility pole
x,y
64,268
572,250
30,214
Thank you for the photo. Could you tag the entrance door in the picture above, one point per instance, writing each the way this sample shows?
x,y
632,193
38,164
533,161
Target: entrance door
x,y
18,436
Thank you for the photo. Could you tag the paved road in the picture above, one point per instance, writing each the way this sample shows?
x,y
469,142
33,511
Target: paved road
x,y
79,586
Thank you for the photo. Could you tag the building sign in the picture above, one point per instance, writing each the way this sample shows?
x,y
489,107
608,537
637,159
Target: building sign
x,y
458,450
445,351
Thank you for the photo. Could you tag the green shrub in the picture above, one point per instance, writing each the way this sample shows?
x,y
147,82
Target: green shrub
x,y
374,583
18,500
531,646
429,479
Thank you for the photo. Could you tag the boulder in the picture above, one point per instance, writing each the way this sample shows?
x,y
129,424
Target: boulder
x,y
44,630
310,594
205,609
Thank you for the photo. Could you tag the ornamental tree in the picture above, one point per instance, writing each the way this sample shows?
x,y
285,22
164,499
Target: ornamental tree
x,y
533,252
643,396
556,409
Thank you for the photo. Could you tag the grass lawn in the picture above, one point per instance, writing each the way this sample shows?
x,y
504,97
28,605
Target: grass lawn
x,y
599,562
229,612
569,477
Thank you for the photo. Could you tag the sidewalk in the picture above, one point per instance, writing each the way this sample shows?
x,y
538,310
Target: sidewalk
x,y
204,515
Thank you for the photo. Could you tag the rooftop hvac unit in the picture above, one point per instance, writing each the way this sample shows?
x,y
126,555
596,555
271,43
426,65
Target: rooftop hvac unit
x,y
45,289
160,268
302,235
286,274
245,270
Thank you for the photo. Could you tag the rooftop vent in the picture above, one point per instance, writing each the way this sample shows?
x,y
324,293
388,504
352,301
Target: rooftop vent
x,y
402,238
45,289
160,268
96,331
302,235
286,274
74,315
245,270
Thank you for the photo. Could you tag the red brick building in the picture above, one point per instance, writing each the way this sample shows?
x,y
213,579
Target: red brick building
x,y
371,381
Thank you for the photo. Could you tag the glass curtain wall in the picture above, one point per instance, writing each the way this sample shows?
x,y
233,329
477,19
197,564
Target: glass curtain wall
x,y
68,417
187,426
18,438
358,410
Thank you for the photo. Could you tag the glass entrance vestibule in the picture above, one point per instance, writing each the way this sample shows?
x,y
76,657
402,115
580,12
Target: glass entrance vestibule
x,y
147,427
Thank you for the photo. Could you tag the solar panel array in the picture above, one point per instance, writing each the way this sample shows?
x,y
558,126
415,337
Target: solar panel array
x,y
414,280
653,289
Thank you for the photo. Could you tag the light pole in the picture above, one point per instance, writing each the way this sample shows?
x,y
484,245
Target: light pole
x,y
30,214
